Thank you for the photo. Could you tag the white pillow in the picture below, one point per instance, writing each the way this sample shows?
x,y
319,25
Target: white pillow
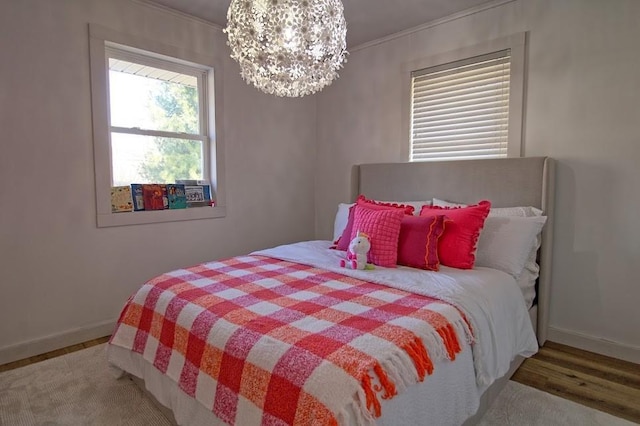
x,y
342,216
340,222
506,242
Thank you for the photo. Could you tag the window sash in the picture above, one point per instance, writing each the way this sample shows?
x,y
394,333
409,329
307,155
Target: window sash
x,y
146,59
460,110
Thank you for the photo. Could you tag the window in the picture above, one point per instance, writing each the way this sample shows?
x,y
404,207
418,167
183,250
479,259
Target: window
x,y
154,121
157,133
469,107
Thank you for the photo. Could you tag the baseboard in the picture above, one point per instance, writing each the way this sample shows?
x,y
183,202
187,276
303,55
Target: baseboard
x,y
55,341
595,344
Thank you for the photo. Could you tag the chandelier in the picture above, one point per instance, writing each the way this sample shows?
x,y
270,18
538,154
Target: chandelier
x,y
287,47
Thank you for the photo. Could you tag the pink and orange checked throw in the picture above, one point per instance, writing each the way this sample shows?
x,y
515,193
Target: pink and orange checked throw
x,y
259,340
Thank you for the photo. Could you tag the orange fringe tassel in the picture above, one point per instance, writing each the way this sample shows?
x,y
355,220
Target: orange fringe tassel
x,y
418,353
372,401
387,385
450,339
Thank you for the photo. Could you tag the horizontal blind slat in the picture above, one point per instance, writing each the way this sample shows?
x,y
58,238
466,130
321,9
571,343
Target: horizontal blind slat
x,y
455,141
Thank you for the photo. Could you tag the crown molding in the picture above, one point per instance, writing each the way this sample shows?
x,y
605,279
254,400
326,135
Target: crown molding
x,y
421,27
166,9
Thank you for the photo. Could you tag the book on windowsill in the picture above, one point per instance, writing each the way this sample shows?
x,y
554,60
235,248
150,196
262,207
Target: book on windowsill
x,y
176,196
153,197
138,198
198,195
121,200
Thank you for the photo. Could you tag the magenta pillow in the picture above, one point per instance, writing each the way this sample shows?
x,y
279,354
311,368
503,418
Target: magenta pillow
x,y
345,238
457,246
418,241
383,229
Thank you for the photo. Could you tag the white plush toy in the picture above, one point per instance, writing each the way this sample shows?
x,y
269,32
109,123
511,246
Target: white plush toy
x,y
357,253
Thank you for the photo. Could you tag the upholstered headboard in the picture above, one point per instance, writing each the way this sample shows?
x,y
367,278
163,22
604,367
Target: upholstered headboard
x,y
506,182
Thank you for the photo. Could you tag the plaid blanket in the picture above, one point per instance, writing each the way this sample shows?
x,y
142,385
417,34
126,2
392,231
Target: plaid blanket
x,y
259,340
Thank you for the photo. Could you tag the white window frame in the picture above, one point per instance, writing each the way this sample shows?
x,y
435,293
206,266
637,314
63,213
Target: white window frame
x,y
516,45
101,42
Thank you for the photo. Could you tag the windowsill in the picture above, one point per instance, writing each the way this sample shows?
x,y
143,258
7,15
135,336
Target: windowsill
x,y
159,216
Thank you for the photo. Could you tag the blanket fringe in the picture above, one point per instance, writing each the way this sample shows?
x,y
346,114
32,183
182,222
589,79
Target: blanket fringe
x,y
421,360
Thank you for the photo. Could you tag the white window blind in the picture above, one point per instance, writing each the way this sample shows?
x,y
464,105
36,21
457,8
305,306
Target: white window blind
x,y
460,110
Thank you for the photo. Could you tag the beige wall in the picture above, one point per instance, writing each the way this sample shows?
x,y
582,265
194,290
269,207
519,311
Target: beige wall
x,y
62,278
582,108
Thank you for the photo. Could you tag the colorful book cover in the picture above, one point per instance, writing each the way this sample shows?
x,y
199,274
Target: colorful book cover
x,y
206,189
194,193
177,196
165,197
121,200
138,199
153,196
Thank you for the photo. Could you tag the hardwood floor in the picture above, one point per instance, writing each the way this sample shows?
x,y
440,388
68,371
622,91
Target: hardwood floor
x,y
597,381
52,354
604,383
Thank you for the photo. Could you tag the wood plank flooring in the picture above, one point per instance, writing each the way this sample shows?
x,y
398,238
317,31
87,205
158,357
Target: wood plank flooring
x,y
53,354
606,384
600,382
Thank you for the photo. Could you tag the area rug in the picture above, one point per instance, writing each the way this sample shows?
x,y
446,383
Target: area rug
x,y
78,389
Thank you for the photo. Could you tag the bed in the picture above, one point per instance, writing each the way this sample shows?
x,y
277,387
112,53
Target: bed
x,y
481,324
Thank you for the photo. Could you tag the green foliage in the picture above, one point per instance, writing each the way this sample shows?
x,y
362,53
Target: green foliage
x,y
174,108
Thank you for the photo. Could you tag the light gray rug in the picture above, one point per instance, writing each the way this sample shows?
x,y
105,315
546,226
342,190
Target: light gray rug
x,y
77,389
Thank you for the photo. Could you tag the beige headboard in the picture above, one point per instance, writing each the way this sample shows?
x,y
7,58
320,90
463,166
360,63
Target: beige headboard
x,y
506,182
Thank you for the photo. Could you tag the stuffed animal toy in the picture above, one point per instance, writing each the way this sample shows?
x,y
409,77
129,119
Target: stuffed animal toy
x,y
357,253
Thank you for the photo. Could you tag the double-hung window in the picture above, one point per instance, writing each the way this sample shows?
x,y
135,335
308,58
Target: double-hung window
x,y
157,120
468,104
154,122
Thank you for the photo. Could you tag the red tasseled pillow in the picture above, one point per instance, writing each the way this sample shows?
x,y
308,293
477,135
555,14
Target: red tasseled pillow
x,y
457,246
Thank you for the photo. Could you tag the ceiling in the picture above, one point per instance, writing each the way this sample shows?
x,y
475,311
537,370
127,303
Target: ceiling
x,y
367,20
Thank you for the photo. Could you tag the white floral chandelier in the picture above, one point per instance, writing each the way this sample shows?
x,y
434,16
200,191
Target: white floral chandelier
x,y
287,47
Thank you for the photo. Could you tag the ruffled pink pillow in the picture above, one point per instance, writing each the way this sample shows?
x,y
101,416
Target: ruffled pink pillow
x,y
457,246
418,241
383,229
345,238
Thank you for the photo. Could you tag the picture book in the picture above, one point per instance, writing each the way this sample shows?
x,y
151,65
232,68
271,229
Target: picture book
x,y
138,199
121,200
153,197
177,196
194,193
165,197
207,192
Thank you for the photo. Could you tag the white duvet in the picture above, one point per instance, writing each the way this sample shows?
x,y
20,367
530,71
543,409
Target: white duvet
x,y
489,298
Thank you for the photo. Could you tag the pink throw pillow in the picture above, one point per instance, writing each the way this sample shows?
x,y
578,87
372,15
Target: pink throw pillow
x,y
457,246
418,241
383,229
345,238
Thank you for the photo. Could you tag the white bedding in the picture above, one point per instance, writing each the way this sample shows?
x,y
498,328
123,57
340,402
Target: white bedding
x,y
490,299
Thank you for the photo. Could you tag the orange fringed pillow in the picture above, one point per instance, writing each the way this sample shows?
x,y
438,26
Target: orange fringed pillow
x,y
457,246
418,241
